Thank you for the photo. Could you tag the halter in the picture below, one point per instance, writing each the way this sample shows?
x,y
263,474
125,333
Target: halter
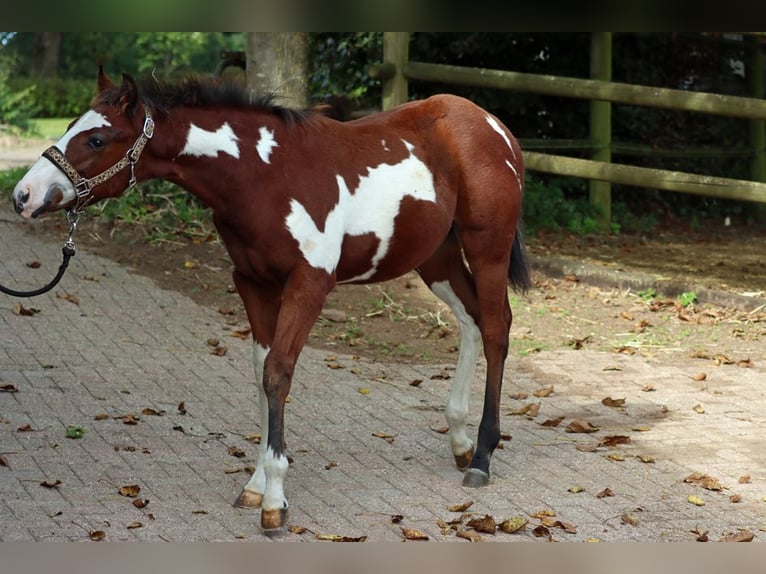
x,y
83,186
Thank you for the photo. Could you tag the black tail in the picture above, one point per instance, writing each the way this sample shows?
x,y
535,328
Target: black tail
x,y
518,273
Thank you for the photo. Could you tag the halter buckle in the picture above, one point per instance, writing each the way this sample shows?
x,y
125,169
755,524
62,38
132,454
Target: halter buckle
x,y
82,189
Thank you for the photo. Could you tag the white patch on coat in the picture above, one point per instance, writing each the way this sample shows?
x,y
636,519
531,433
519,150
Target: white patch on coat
x,y
371,208
470,344
495,125
201,142
265,144
43,174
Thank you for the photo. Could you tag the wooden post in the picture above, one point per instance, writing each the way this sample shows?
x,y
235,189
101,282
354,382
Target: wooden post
x,y
601,123
754,77
396,51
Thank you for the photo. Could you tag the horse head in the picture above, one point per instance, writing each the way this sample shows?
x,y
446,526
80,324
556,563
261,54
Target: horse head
x,y
95,158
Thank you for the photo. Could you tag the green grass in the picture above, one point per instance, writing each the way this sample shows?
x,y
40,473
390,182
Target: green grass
x,y
49,127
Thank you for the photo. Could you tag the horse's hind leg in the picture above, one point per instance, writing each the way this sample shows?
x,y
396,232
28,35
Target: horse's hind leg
x,y
446,275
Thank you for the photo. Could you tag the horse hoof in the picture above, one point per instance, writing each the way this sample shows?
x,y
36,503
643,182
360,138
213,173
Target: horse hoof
x,y
475,478
273,519
249,499
463,460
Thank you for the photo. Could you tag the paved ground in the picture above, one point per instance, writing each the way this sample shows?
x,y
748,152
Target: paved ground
x,y
126,346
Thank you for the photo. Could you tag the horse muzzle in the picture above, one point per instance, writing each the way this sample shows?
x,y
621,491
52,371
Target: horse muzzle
x,y
24,207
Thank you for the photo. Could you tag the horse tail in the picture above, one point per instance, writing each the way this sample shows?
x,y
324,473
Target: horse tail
x,y
518,271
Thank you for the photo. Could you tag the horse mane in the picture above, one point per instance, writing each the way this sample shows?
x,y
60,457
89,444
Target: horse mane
x,y
203,91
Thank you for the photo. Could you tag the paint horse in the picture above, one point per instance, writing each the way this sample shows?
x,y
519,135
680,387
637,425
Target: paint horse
x,y
304,202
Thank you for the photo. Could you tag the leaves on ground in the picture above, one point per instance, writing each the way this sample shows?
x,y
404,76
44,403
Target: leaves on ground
x,y
413,534
74,432
8,388
389,438
484,524
50,484
19,309
704,480
581,426
462,507
740,536
130,491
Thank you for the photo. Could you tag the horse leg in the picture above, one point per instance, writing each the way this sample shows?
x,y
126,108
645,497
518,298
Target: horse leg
x,y
489,260
447,277
303,298
262,306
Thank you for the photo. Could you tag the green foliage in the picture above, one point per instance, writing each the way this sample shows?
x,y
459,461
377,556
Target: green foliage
x,y
8,180
687,298
17,106
558,203
54,97
647,294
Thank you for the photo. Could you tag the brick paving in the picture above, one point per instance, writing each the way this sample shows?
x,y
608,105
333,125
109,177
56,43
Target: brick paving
x,y
128,345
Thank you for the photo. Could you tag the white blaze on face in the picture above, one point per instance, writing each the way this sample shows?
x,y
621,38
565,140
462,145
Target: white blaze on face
x,y
201,142
495,125
43,175
265,144
371,208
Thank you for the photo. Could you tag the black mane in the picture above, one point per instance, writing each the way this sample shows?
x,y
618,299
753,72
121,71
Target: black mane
x,y
203,91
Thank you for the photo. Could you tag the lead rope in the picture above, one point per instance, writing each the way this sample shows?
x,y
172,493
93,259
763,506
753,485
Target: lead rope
x,y
67,251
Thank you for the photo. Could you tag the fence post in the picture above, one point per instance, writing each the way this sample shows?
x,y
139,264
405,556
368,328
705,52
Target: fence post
x,y
396,51
601,123
754,77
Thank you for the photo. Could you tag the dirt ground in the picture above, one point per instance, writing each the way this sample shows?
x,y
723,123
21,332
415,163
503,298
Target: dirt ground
x,y
401,321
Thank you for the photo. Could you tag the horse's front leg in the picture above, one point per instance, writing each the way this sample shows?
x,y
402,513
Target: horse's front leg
x,y
302,302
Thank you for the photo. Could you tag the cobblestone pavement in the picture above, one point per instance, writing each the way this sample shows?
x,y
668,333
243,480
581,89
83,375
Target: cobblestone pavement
x,y
131,364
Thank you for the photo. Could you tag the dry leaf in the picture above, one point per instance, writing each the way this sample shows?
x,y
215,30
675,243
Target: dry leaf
x,y
629,519
140,502
241,334
385,436
645,458
695,500
605,493
189,264
152,412
134,524
587,447
614,440
704,480
542,532
699,377
254,438
34,264
129,419
131,491
575,489
544,391
219,351
530,409
610,402
19,309
486,524
698,409
471,535
581,426
744,479
745,363
72,298
412,534
735,498
460,507
552,422
519,396
339,538
297,529
101,417
541,514
236,452
25,428
363,391
440,430
49,484
8,388
97,535
741,536
615,456
396,518
648,388
4,462
514,524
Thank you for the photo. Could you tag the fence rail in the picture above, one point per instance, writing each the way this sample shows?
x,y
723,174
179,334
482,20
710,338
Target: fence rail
x,y
396,70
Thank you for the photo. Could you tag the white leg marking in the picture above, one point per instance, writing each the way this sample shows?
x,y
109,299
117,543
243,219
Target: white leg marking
x,y
257,482
371,208
470,345
276,470
200,142
265,144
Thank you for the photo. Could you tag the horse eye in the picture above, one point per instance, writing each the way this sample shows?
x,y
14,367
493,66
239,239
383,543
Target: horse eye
x,y
96,142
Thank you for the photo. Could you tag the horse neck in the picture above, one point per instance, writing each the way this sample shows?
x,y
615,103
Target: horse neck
x,y
210,152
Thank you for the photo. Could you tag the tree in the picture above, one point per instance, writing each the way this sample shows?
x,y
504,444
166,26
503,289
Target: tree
x,y
47,50
278,62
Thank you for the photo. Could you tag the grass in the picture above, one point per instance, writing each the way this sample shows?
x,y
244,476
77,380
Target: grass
x,y
49,127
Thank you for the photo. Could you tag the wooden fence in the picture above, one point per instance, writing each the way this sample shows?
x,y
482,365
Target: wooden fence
x,y
397,69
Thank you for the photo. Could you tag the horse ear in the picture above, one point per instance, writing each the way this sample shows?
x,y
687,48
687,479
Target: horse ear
x,y
104,82
129,98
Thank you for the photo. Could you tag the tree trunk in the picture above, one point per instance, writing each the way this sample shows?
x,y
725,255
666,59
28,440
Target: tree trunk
x,y
46,54
278,62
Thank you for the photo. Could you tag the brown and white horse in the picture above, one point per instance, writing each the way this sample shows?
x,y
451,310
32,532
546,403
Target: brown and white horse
x,y
304,202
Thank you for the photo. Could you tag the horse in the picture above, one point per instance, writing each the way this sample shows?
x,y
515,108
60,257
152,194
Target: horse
x,y
303,203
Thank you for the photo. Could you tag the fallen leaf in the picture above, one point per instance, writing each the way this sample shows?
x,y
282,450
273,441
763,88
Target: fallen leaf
x,y
699,377
471,535
610,402
148,411
741,536
704,480
460,507
413,534
581,426
544,391
4,462
97,535
514,524
130,491
297,529
698,409
615,456
19,309
74,432
648,388
587,447
396,518
575,489
641,428
486,524
363,391
745,363
71,297
629,519
330,465
744,479
530,409
129,419
645,458
235,451
49,484
133,525
189,264
25,428
8,388
540,514
243,334
182,408
440,430
101,417
219,351
614,440
735,498
519,396
542,532
695,500
415,382
552,422
140,502
605,493
254,438
34,264
385,436
701,535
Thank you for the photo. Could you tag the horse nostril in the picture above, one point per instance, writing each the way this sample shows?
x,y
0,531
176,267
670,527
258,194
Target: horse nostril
x,y
19,202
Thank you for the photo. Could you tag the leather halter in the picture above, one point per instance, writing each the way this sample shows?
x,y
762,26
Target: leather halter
x,y
83,186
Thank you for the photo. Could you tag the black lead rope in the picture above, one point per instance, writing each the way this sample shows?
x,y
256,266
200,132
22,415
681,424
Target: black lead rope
x,y
67,252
